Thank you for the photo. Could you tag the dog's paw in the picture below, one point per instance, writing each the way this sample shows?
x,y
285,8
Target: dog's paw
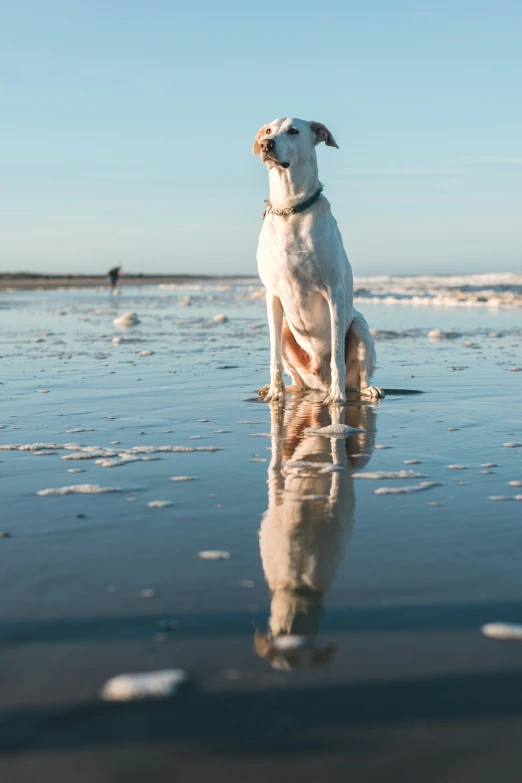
x,y
335,397
273,391
373,393
276,396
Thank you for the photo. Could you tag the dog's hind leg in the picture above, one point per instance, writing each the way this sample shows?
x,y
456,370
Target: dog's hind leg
x,y
361,359
295,359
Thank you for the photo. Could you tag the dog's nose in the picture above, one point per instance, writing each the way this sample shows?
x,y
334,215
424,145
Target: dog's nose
x,y
267,145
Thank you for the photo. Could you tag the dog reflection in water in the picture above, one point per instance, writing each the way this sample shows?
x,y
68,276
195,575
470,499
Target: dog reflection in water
x,y
311,502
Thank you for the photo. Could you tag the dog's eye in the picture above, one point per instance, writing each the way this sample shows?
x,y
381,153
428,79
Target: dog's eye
x,y
268,131
293,131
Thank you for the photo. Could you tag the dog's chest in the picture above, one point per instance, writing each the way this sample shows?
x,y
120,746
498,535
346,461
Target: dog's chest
x,y
290,256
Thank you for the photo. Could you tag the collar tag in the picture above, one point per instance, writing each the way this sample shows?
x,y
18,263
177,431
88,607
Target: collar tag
x,y
286,212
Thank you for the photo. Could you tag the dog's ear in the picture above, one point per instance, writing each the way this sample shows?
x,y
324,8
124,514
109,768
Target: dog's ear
x,y
322,133
261,132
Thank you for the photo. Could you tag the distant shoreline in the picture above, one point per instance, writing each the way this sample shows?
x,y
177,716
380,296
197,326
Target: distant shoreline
x,y
28,282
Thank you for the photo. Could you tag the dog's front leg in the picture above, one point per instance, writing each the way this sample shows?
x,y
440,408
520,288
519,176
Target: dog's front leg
x,y
338,451
276,481
337,305
274,310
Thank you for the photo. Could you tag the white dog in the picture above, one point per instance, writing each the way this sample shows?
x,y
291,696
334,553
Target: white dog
x,y
323,342
310,514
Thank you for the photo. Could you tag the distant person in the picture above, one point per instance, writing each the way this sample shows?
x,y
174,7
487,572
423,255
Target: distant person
x,y
114,274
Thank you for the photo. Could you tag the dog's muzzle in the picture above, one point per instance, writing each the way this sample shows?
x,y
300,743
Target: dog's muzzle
x,y
268,147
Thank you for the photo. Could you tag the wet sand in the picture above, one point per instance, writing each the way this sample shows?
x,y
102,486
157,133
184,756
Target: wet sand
x,y
394,679
60,282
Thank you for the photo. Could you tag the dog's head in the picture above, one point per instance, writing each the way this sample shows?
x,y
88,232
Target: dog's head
x,y
285,142
291,641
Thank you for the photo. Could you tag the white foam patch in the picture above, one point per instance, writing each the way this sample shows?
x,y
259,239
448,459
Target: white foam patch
x,y
475,290
406,490
503,631
92,452
335,431
412,462
437,334
183,478
503,498
144,685
75,470
214,554
126,320
392,334
220,318
159,503
190,448
289,642
79,489
300,498
79,455
456,467
29,447
113,463
145,353
300,466
489,465
512,445
123,459
515,483
43,453
377,475
382,446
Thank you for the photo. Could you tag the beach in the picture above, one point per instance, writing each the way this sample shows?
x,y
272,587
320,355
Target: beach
x,y
158,515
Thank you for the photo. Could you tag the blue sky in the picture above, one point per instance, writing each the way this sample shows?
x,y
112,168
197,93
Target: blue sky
x,y
126,131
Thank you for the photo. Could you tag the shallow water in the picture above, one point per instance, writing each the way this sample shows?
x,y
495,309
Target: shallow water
x,y
382,587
